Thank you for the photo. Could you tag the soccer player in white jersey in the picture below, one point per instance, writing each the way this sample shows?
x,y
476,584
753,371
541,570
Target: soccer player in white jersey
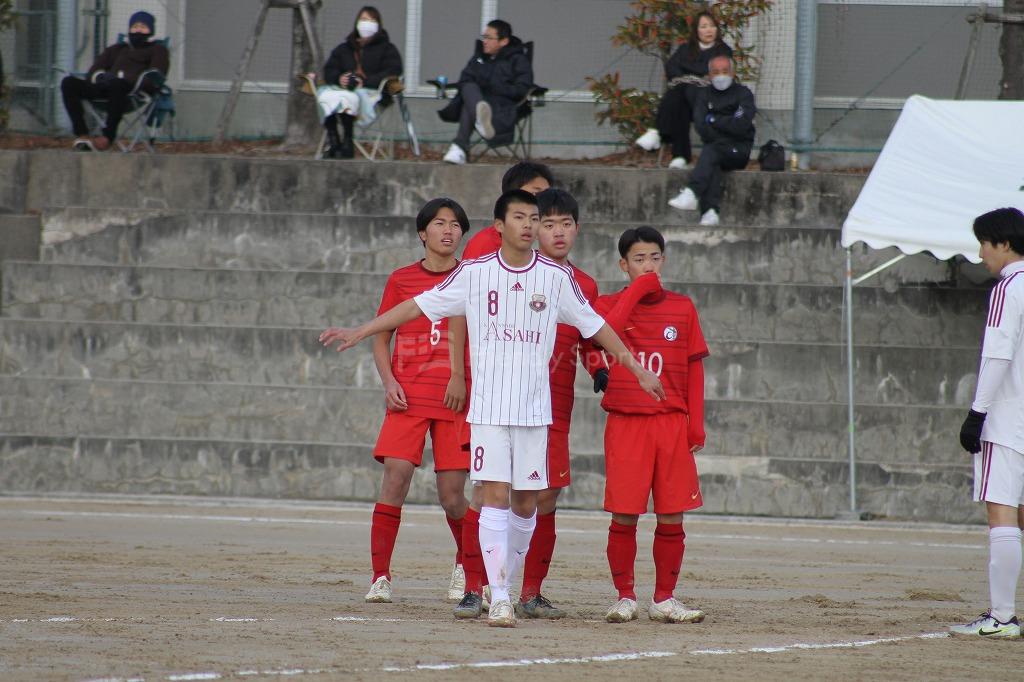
x,y
994,428
513,300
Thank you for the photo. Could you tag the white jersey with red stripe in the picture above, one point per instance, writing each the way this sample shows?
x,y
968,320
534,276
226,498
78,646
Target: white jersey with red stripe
x,y
1004,340
511,316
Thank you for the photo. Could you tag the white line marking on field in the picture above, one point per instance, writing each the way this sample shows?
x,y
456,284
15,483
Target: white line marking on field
x,y
280,673
225,619
194,676
523,662
207,517
361,619
817,645
829,541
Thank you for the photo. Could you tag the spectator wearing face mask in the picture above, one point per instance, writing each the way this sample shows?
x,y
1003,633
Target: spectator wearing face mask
x,y
724,117
112,78
353,73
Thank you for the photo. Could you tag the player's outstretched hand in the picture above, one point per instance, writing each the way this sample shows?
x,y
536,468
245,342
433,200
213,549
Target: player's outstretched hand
x,y
601,380
345,338
394,397
455,394
970,432
650,382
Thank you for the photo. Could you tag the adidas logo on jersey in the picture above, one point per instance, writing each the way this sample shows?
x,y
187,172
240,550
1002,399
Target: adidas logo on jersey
x,y
533,477
517,287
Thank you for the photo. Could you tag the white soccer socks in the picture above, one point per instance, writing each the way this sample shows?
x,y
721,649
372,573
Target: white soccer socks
x,y
1003,570
520,532
494,527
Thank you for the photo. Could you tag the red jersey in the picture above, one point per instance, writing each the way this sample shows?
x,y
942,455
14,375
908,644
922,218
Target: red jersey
x,y
664,334
420,359
563,358
483,243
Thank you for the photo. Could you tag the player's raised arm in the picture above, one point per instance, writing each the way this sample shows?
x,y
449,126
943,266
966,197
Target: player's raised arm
x,y
642,286
406,311
613,345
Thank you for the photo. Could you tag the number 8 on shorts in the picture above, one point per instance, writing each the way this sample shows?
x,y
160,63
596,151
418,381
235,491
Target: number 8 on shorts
x,y
510,454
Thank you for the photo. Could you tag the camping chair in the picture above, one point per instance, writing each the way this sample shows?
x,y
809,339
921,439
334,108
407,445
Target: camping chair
x,y
151,104
520,146
377,138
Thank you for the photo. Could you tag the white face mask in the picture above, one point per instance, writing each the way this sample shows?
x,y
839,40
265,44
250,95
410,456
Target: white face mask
x,y
721,82
367,29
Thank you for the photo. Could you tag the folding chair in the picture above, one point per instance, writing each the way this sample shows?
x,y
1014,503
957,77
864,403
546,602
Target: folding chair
x,y
520,145
377,138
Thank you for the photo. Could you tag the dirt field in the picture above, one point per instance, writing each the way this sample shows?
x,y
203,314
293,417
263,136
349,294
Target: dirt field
x,y
199,589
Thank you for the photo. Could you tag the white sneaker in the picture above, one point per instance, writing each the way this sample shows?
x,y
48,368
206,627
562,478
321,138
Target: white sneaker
x,y
457,585
455,155
649,141
486,597
622,611
501,614
684,201
678,163
673,611
483,120
709,218
380,591
987,626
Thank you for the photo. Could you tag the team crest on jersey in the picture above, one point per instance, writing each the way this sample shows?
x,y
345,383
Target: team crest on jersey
x,y
671,333
538,302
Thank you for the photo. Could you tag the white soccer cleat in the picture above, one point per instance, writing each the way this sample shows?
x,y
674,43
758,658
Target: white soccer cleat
x,y
987,626
673,611
684,201
486,596
457,586
501,614
622,611
678,163
380,591
649,141
483,120
710,218
455,155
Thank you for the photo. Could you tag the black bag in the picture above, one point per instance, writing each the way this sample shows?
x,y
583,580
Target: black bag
x,y
772,156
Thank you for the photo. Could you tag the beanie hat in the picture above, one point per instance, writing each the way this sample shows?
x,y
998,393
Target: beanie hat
x,y
143,18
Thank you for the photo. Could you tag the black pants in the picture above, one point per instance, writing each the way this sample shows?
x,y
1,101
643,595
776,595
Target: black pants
x,y
114,90
715,159
675,112
471,96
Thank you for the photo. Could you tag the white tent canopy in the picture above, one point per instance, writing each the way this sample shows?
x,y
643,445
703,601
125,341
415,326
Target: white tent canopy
x,y
944,164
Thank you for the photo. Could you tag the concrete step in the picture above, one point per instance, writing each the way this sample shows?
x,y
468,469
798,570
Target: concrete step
x,y
900,434
776,486
41,179
912,316
742,370
296,241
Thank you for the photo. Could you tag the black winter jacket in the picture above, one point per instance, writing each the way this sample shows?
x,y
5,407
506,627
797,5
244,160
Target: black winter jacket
x,y
726,115
681,63
376,59
127,62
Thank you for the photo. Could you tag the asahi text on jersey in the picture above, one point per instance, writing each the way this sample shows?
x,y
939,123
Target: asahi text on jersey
x,y
508,333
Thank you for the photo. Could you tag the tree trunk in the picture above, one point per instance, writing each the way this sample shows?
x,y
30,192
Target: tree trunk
x,y
303,123
1011,52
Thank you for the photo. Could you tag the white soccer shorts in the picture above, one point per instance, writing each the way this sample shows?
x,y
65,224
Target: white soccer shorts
x,y
509,454
999,475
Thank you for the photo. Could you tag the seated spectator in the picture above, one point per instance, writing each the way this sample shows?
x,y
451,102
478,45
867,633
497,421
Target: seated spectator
x,y
354,73
724,118
686,72
112,78
491,87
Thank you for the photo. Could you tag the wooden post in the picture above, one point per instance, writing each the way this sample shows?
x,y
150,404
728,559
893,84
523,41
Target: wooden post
x,y
243,69
977,21
303,122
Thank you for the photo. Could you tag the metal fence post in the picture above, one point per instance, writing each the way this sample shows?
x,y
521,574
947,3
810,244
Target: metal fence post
x,y
803,99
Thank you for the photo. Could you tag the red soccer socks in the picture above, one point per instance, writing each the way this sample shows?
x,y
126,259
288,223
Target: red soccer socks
x,y
669,544
383,532
472,562
456,526
621,557
538,559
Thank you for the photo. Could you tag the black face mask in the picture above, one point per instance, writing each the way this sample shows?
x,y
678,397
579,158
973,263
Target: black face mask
x,y
138,39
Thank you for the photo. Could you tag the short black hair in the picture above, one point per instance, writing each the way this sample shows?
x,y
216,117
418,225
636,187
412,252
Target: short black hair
x,y
644,233
513,196
523,172
555,201
503,28
1001,226
434,206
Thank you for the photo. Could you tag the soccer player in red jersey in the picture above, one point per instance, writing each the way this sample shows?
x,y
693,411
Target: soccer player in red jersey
x,y
528,175
424,390
650,445
559,227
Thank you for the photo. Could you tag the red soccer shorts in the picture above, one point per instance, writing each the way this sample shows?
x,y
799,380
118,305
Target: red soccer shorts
x,y
558,459
647,454
403,436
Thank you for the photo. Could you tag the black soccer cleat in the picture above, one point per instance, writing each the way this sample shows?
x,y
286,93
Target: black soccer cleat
x,y
471,606
539,607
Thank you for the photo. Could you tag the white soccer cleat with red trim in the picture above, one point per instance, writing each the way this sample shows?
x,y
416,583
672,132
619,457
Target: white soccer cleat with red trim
x,y
380,591
674,611
622,611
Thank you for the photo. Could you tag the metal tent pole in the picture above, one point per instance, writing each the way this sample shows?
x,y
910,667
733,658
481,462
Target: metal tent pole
x,y
851,442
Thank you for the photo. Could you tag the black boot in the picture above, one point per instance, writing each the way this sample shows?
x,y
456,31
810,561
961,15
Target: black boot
x,y
347,148
334,149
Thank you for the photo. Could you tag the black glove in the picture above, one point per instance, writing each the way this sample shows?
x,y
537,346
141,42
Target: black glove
x,y
600,380
970,432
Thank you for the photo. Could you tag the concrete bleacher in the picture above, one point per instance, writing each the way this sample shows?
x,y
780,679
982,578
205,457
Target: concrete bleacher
x,y
166,339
